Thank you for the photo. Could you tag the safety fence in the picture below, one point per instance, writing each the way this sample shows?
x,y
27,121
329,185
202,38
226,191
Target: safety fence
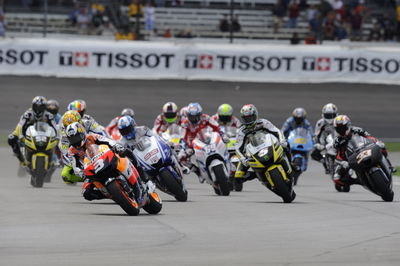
x,y
239,62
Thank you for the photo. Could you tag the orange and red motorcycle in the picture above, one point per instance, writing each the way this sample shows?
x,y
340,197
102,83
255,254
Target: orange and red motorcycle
x,y
104,169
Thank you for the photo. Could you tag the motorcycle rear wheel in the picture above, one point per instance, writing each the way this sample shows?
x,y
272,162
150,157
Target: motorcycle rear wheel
x,y
297,162
222,180
118,194
173,186
381,186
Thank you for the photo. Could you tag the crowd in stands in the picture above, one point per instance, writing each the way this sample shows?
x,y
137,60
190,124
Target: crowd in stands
x,y
2,24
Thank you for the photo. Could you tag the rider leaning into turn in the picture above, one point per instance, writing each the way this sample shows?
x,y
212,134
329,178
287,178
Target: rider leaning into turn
x,y
345,131
114,122
251,124
33,115
168,117
79,141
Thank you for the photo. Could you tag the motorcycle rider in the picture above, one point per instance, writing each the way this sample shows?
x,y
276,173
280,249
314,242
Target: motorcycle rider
x,y
53,107
251,124
225,117
79,141
323,128
345,130
114,122
37,113
131,136
168,117
68,118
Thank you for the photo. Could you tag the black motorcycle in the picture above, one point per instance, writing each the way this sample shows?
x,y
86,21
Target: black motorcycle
x,y
371,167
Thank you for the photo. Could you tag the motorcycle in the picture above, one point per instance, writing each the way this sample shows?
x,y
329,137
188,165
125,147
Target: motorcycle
x,y
329,153
265,155
103,167
172,137
231,132
159,161
212,159
40,142
371,167
301,143
114,134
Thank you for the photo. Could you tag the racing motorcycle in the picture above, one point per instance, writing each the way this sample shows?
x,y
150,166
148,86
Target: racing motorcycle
x,y
212,159
103,167
371,167
301,143
159,161
329,153
231,132
40,142
172,137
264,155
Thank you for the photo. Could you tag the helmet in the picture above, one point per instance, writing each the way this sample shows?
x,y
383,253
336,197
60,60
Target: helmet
x,y
39,105
249,114
126,126
299,114
342,125
194,112
70,117
53,106
225,112
78,105
76,134
183,112
329,112
128,111
170,112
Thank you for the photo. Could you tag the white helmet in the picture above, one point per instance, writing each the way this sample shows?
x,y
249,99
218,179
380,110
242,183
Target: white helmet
x,y
329,112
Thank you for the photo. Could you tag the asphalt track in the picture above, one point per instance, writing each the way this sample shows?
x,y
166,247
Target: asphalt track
x,y
56,226
374,107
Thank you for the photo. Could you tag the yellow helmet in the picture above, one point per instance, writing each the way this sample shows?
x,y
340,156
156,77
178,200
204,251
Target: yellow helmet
x,y
70,117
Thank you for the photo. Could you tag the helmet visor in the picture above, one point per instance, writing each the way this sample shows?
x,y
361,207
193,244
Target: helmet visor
x,y
126,131
249,119
330,115
194,119
76,140
39,108
341,129
225,118
299,120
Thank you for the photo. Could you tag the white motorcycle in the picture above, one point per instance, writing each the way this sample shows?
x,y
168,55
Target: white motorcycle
x,y
212,159
231,133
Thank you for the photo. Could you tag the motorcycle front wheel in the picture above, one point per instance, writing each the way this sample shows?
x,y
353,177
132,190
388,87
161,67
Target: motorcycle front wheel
x,y
280,187
377,178
118,194
222,180
173,186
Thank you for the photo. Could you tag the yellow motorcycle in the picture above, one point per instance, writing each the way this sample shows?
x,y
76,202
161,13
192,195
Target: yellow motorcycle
x,y
40,142
266,156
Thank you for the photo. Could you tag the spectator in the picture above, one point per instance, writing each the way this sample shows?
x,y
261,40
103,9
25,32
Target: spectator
x,y
279,11
2,24
389,30
167,33
224,24
149,17
311,14
134,10
293,14
337,4
310,39
340,31
324,8
356,22
107,27
184,34
375,34
295,38
26,3
83,20
398,22
236,27
125,33
329,26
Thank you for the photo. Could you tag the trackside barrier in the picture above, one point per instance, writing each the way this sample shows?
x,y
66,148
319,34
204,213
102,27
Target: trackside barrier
x,y
160,60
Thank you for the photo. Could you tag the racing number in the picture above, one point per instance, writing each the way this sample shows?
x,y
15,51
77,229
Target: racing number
x,y
98,165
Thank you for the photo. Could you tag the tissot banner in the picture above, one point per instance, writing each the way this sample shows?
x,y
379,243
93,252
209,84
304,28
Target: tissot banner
x,y
156,60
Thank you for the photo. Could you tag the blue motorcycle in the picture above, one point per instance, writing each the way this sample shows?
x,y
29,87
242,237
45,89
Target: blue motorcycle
x,y
301,143
159,162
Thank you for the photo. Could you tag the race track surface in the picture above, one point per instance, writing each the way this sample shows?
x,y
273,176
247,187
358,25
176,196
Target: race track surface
x,y
374,107
54,225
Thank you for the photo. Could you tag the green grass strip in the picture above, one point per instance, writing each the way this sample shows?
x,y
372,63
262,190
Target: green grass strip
x,y
3,140
398,171
392,146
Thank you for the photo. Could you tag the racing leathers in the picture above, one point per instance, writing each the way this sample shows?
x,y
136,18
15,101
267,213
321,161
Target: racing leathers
x,y
322,130
27,119
113,125
160,125
67,173
340,145
243,132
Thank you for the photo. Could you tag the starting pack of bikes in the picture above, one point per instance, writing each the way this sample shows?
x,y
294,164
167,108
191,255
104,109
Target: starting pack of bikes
x,y
126,162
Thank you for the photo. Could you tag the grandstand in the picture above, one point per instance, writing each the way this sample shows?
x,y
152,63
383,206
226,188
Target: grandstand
x,y
199,17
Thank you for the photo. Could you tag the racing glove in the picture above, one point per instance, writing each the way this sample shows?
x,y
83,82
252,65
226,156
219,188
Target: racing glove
x,y
225,139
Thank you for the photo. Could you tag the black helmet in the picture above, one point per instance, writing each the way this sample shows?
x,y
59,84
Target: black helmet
x,y
299,114
53,106
76,134
128,111
39,104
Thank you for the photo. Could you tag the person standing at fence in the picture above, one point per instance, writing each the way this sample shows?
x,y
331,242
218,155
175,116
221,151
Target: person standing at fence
x,y
2,24
149,16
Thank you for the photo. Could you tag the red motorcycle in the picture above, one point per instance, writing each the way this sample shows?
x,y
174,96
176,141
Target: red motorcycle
x,y
104,169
